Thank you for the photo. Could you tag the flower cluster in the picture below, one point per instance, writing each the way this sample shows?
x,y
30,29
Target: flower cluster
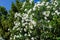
x,y
37,19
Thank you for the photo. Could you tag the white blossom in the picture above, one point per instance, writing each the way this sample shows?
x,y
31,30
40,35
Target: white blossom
x,y
17,15
30,31
45,18
54,8
53,13
31,27
55,3
32,38
57,12
17,23
14,36
47,3
34,8
33,22
25,10
23,24
14,27
48,21
42,3
29,11
50,26
25,16
25,29
46,13
30,1
25,34
29,34
20,35
18,29
48,6
23,5
17,36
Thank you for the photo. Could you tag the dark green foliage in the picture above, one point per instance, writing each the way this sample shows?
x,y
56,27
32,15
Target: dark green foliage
x,y
14,8
3,11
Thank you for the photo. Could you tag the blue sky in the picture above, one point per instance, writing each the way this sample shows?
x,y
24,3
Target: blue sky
x,y
7,3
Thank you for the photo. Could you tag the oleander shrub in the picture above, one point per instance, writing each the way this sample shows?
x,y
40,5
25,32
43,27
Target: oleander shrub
x,y
36,21
33,21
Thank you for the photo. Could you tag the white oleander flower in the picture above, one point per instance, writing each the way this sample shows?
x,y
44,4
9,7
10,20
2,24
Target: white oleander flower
x,y
14,27
23,5
17,15
29,11
20,35
50,26
55,3
31,26
48,7
57,12
46,13
23,24
53,13
14,37
24,16
30,1
32,14
31,17
22,21
16,23
18,29
33,22
29,34
25,29
48,21
34,8
25,10
38,4
47,3
10,38
45,18
30,31
54,8
25,34
32,38
42,3
17,36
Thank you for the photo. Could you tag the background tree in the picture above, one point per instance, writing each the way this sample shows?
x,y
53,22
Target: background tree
x,y
3,11
4,23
